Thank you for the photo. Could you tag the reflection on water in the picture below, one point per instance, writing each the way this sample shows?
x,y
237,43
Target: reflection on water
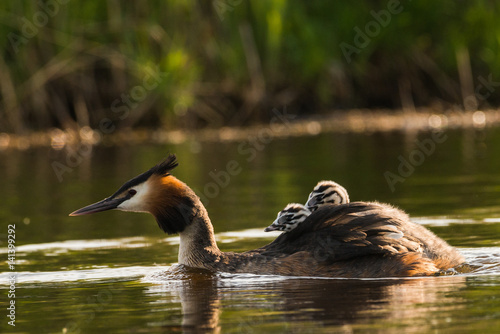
x,y
339,303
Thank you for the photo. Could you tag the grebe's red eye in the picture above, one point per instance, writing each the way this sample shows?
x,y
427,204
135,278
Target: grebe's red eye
x,y
132,192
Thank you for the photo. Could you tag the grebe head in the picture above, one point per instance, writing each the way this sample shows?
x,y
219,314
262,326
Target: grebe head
x,y
289,218
327,192
155,191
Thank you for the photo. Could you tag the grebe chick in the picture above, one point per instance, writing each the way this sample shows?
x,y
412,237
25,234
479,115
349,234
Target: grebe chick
x,y
327,192
288,218
348,240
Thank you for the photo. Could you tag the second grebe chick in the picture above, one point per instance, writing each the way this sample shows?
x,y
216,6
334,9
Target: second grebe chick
x,y
288,218
327,192
350,240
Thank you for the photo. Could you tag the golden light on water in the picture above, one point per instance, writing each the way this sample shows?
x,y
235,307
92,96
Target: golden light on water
x,y
89,136
438,121
355,121
4,141
479,119
58,139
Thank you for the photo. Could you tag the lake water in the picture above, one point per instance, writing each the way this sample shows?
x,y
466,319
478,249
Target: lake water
x,y
115,272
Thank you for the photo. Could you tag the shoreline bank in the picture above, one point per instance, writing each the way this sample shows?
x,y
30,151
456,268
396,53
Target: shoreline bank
x,y
354,121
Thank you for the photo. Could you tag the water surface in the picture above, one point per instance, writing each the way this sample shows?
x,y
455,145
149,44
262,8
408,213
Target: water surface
x,y
116,272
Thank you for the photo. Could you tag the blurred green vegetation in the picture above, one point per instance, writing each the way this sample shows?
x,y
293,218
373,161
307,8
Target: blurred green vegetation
x,y
190,64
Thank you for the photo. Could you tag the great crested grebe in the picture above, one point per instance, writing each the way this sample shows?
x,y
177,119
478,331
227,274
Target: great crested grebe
x,y
348,240
325,192
288,218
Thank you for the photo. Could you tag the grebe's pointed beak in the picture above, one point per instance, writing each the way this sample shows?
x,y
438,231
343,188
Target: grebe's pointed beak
x,y
273,226
312,202
104,205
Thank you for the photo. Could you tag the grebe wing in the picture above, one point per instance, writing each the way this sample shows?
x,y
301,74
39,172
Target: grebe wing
x,y
340,232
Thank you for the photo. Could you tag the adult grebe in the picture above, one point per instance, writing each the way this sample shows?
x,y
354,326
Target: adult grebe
x,y
348,240
325,192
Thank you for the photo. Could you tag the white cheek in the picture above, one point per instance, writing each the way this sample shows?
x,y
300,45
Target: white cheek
x,y
337,199
138,202
333,198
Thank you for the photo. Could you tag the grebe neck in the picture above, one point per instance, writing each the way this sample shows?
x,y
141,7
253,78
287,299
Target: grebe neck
x,y
197,241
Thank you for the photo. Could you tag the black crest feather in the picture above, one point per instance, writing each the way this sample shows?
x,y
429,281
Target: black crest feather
x,y
163,168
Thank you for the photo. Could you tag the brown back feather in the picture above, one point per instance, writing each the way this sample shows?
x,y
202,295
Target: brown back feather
x,y
341,232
